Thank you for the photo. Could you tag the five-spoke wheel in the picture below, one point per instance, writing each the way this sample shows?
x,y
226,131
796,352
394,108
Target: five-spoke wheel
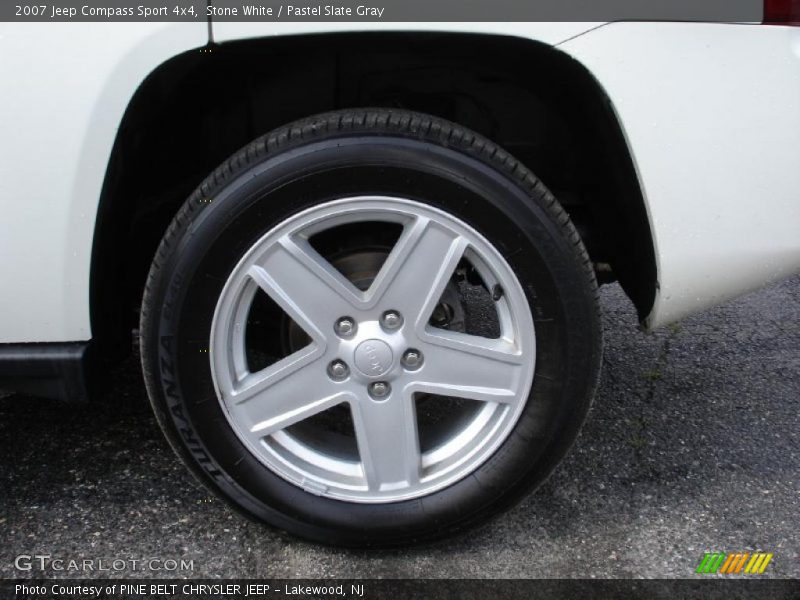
x,y
371,327
374,350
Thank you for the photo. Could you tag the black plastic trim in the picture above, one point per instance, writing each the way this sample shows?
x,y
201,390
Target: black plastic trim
x,y
51,370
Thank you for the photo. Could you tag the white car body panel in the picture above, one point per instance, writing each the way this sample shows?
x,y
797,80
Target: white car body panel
x,y
66,88
682,92
711,113
547,33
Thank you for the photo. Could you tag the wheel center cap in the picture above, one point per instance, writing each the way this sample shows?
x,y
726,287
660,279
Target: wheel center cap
x,y
373,357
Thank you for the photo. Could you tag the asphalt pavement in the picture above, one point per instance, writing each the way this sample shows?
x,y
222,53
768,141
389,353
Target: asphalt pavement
x,y
692,446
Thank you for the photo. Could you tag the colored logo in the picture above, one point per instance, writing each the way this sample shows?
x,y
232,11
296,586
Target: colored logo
x,y
736,563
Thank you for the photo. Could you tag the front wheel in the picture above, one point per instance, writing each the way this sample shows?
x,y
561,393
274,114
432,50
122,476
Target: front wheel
x,y
371,327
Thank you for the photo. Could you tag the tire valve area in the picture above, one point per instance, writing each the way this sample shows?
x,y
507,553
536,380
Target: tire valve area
x,y
497,292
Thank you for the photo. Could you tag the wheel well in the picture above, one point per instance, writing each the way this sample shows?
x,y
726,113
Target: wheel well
x,y
198,108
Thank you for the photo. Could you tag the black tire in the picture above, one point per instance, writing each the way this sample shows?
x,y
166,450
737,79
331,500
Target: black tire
x,y
382,152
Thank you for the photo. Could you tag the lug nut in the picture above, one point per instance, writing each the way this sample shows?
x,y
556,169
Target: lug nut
x,y
338,370
345,327
412,359
379,389
391,319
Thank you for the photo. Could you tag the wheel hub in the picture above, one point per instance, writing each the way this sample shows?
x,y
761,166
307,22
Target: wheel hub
x,y
373,357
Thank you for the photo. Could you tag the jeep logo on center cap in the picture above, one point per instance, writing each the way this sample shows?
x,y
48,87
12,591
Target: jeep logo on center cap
x,y
373,357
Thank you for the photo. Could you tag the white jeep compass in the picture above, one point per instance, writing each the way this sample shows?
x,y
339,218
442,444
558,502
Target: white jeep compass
x,y
361,260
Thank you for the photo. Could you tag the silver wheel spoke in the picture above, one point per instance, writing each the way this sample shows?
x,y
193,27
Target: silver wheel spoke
x,y
272,399
419,267
472,367
306,286
387,443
